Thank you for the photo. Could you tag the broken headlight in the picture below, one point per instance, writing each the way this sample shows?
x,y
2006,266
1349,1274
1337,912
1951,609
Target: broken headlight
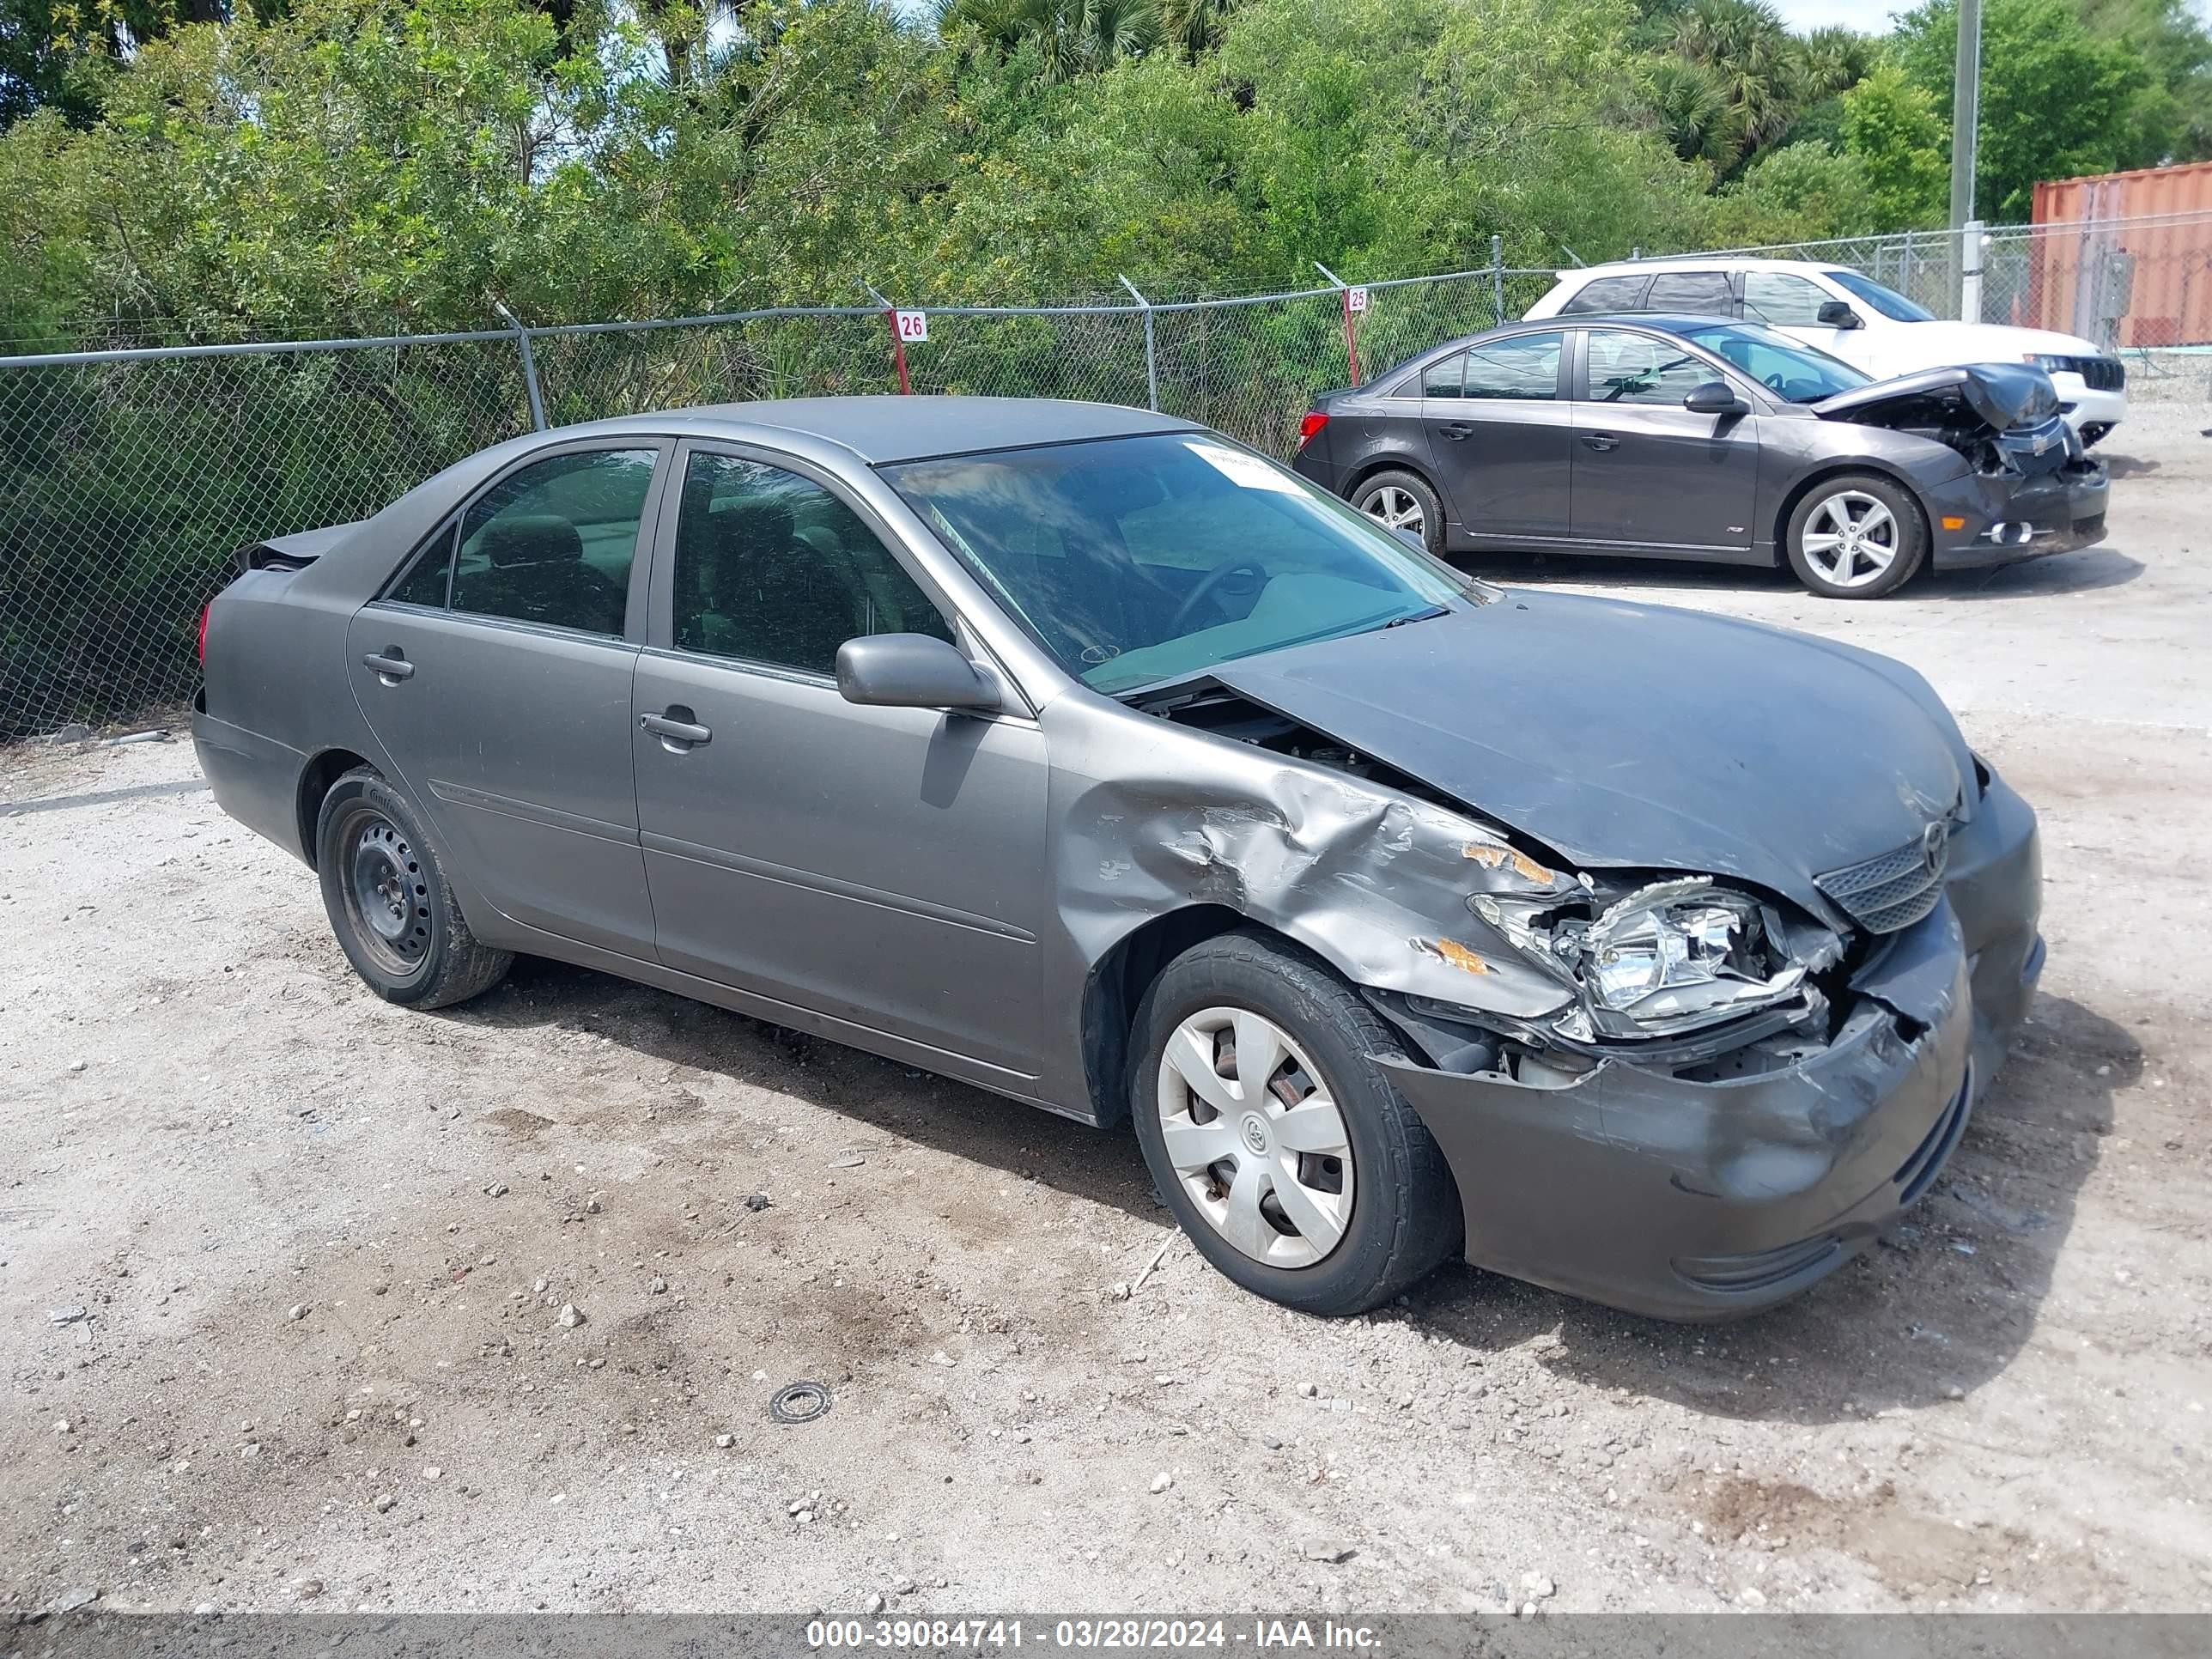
x,y
1666,958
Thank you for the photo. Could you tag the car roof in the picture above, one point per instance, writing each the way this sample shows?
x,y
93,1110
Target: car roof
x,y
1695,262
889,427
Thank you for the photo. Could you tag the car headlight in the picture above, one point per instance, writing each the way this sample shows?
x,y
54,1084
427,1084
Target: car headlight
x,y
2044,361
1668,958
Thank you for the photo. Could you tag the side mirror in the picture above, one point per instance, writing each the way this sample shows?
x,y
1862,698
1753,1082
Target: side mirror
x,y
911,671
1835,313
1715,397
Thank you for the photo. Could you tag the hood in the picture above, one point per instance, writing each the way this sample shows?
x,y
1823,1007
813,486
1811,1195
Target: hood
x,y
1631,735
1944,342
2002,395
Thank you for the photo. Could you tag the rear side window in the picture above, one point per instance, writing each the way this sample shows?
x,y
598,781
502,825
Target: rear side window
x,y
1781,300
1704,292
1610,293
1442,377
427,579
772,568
1524,369
553,543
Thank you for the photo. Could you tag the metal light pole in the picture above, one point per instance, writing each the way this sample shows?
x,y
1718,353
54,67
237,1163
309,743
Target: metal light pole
x,y
1965,124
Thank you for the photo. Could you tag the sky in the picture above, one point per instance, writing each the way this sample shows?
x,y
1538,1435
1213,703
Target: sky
x,y
1872,17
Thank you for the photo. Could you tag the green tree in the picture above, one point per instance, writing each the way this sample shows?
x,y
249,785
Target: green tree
x,y
1892,132
2056,98
1071,36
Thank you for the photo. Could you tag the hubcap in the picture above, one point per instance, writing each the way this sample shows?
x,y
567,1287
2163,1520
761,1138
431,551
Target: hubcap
x,y
1851,539
387,894
1393,508
1255,1137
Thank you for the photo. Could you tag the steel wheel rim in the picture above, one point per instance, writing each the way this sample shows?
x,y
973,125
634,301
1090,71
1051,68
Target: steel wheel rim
x,y
1851,539
1256,1139
387,893
1394,509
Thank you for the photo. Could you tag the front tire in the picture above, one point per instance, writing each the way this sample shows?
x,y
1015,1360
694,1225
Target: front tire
x,y
1856,537
1296,1168
1400,500
389,901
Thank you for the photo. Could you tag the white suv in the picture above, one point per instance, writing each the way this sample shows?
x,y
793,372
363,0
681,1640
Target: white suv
x,y
1850,316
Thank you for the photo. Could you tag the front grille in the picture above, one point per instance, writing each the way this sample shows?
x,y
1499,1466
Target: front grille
x,y
1896,889
2097,373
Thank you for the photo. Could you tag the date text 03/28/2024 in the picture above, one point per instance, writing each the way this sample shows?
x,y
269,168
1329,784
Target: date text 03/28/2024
x,y
1141,1634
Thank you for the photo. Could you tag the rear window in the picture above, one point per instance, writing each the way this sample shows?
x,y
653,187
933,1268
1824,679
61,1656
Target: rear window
x,y
1610,293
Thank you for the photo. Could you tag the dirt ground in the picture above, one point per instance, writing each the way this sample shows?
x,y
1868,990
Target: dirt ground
x,y
321,1249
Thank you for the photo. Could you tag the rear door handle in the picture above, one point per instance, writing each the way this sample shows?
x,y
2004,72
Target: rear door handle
x,y
1458,429
676,735
1601,441
391,664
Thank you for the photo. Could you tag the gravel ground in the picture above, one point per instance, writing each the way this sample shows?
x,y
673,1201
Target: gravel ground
x,y
284,1307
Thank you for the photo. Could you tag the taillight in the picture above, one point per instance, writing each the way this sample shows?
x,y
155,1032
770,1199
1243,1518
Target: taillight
x,y
201,652
1313,422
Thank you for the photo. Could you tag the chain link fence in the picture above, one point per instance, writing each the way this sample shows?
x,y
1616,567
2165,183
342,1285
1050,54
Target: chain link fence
x,y
129,477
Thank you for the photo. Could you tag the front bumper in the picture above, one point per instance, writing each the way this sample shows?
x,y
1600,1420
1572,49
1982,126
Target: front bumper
x,y
2083,407
1716,1190
1984,519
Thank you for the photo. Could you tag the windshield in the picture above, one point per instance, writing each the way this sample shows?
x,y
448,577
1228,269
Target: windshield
x,y
1794,373
1143,559
1888,302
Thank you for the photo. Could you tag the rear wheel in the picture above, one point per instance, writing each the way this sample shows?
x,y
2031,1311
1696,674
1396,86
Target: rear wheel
x,y
389,903
1399,500
1856,537
1294,1165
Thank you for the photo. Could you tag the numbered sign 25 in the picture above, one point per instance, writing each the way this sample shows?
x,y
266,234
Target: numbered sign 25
x,y
1355,300
912,325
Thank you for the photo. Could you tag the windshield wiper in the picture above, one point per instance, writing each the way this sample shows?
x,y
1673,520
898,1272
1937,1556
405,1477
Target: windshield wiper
x,y
1418,615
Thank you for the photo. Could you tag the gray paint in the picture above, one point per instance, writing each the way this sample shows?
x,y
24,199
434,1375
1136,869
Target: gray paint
x,y
1655,481
954,888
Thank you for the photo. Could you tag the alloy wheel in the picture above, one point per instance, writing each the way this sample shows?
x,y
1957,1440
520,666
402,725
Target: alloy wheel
x,y
1851,539
1256,1137
1394,509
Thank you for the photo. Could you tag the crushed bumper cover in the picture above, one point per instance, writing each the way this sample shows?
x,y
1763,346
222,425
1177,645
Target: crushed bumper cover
x,y
2011,518
1716,1190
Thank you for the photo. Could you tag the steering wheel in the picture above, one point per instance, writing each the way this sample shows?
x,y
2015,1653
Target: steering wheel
x,y
1206,584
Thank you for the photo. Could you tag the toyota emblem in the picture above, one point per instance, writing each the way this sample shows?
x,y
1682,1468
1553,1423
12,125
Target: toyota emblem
x,y
1931,847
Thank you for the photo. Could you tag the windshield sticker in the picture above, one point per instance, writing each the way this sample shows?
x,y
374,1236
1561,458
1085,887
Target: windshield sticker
x,y
1245,471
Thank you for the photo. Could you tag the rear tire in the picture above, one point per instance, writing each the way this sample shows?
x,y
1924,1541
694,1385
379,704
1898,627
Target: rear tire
x,y
1390,498
1857,536
1324,1240
389,901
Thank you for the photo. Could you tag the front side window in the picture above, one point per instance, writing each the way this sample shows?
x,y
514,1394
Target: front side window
x,y
1610,293
1781,300
1887,300
1793,372
1641,369
1140,560
1706,291
1525,369
771,568
553,542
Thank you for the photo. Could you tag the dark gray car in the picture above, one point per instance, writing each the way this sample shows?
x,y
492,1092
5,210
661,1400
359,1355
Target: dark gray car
x,y
1699,438
1084,756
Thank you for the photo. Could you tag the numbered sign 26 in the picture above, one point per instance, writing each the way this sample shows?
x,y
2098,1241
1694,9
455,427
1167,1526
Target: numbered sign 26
x,y
913,326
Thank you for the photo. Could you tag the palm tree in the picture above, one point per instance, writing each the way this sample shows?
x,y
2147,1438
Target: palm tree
x,y
1835,59
1075,37
1753,58
1195,25
1694,111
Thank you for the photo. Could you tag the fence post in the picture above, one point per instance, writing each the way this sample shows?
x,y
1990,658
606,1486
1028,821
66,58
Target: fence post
x,y
1152,361
898,345
1970,272
1498,279
1343,298
529,365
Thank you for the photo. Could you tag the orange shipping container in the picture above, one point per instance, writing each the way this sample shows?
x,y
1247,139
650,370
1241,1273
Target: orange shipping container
x,y
2125,258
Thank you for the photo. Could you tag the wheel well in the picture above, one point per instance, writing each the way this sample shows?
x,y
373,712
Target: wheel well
x,y
1390,463
1117,984
1839,469
315,781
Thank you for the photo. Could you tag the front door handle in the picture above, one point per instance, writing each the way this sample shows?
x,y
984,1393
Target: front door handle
x,y
391,664
676,736
1601,441
1458,429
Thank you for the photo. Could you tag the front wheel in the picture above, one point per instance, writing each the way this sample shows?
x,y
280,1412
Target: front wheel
x,y
1856,537
1399,500
1294,1165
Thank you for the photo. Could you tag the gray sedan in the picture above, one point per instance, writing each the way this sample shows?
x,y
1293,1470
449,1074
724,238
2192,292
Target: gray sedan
x,y
1700,438
1083,754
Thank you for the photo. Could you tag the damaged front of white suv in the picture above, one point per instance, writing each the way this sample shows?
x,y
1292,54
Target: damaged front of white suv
x,y
1725,974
